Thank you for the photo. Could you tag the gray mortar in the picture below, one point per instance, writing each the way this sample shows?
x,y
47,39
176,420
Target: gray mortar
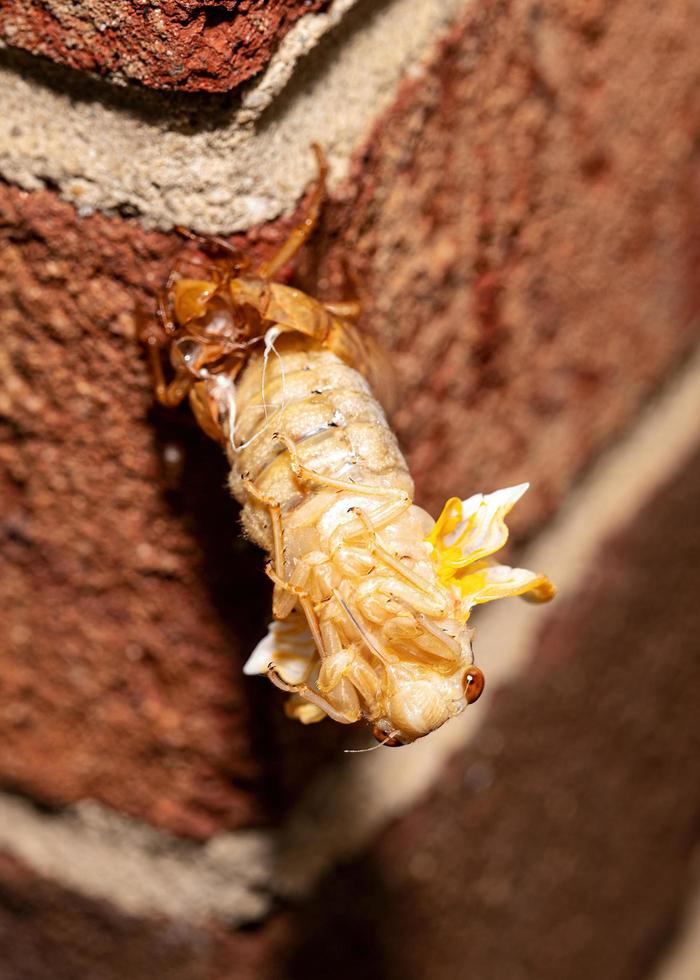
x,y
94,851
199,161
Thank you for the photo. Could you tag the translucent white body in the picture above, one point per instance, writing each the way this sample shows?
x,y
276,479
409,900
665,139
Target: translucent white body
x,y
370,631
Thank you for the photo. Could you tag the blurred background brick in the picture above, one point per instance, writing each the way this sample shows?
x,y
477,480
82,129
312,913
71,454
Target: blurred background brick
x,y
563,842
528,230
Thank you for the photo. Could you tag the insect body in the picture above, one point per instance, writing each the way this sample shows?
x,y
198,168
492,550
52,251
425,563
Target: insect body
x,y
371,596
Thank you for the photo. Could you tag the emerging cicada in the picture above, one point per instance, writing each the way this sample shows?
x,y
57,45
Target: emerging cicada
x,y
371,596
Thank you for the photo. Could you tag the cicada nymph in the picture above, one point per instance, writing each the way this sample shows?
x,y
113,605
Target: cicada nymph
x,y
372,597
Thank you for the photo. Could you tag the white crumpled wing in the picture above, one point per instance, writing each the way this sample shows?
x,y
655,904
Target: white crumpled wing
x,y
482,529
288,647
466,535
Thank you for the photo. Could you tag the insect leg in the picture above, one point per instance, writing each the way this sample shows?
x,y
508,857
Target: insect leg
x,y
154,338
295,588
290,592
378,548
313,697
167,394
379,517
308,475
286,593
213,244
370,641
204,412
164,316
266,270
276,521
350,308
312,619
350,667
155,335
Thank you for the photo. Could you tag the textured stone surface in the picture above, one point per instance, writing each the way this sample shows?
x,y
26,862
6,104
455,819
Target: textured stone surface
x,y
561,844
531,265
217,164
530,243
129,601
189,45
48,931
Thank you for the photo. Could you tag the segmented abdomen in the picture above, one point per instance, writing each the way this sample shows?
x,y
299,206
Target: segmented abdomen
x,y
308,405
326,491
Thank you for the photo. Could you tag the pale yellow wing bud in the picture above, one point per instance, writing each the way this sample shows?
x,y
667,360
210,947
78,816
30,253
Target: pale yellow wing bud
x,y
465,534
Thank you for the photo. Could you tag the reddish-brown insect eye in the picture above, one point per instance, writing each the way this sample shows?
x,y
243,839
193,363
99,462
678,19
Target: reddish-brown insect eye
x,y
382,737
473,684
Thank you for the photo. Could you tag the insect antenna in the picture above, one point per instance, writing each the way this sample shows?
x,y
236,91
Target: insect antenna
x,y
372,748
213,244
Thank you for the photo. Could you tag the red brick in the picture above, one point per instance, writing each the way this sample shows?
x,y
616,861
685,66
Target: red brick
x,y
530,241
46,930
127,607
531,263
189,45
560,844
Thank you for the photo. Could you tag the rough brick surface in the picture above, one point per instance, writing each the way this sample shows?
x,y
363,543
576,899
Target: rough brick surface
x,y
129,601
189,45
528,250
530,242
560,845
48,931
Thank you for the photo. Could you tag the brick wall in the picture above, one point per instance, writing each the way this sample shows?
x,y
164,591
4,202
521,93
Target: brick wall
x,y
516,189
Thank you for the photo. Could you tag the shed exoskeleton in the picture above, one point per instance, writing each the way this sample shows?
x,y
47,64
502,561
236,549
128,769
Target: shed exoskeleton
x,y
372,597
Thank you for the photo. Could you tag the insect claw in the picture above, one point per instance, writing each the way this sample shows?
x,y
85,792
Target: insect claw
x,y
274,676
